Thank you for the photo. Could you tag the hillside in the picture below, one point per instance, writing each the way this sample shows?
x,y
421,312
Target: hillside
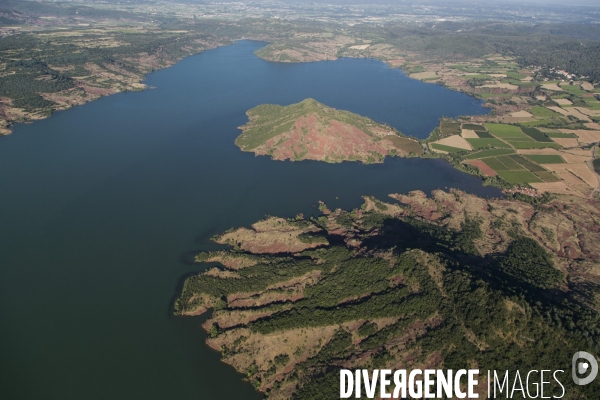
x,y
310,130
447,281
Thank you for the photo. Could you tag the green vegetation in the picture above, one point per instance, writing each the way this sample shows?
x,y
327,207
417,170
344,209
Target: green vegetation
x,y
558,134
505,131
573,90
596,164
531,166
533,145
546,159
474,127
449,149
274,120
527,260
547,176
486,143
519,177
516,169
488,153
536,135
509,162
515,75
495,164
49,63
535,123
484,135
269,121
539,111
414,272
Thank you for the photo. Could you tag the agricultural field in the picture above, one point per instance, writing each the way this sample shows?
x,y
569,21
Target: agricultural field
x,y
518,154
546,159
487,143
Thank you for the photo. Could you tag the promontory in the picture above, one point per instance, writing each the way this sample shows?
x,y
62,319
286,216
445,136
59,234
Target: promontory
x,y
310,130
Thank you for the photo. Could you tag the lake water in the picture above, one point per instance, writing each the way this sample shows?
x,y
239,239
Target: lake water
x,y
102,207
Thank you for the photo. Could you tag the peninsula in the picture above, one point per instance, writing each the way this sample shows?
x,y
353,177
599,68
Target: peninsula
x,y
448,281
310,130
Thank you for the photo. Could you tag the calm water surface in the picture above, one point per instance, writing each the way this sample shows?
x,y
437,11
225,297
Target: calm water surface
x,y
102,205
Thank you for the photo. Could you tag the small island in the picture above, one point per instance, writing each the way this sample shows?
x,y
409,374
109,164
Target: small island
x,y
310,130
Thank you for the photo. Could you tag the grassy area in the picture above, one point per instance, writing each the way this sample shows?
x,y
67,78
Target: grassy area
x,y
592,104
484,135
536,135
449,149
518,177
509,162
495,164
539,111
528,164
561,135
488,153
485,143
533,145
547,176
573,89
516,75
546,159
518,170
596,163
474,127
535,123
505,131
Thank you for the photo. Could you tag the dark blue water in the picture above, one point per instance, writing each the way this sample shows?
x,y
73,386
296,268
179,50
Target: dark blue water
x,y
101,205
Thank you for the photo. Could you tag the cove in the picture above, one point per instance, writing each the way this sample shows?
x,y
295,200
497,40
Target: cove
x,y
102,205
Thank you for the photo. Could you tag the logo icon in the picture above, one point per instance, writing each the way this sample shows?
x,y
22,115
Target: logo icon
x,y
580,367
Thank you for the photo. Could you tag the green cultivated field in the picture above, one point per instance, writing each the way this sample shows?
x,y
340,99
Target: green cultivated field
x,y
474,127
516,75
485,143
488,153
573,89
543,112
592,104
505,131
509,162
547,176
546,159
518,177
495,164
530,165
561,135
534,145
484,135
518,170
536,135
597,165
535,123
